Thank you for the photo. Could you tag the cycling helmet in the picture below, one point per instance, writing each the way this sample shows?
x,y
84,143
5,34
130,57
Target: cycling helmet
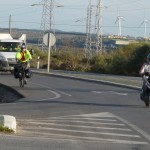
x,y
23,47
148,58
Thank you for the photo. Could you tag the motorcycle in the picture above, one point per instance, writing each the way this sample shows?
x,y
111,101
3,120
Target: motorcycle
x,y
145,94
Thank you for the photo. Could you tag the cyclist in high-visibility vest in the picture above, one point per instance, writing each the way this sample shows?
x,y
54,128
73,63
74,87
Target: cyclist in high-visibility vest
x,y
23,55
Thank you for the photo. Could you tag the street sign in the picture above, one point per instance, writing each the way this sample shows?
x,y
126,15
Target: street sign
x,y
49,39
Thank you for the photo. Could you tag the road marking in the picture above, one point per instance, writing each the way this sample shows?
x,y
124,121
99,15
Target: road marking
x,y
64,137
109,120
64,93
78,126
110,92
147,136
57,95
96,127
89,132
89,122
58,91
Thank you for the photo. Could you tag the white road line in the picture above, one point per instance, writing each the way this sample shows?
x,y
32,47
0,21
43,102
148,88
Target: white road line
x,y
147,136
90,139
111,92
62,122
79,126
89,132
109,120
101,114
57,95
64,93
101,123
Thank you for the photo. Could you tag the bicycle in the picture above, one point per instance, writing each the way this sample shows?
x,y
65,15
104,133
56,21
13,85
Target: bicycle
x,y
22,78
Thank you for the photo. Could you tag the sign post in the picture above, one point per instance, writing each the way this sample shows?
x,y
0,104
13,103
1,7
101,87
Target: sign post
x,y
49,40
38,62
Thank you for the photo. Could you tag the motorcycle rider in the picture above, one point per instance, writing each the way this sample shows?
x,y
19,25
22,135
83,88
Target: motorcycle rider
x,y
23,55
145,73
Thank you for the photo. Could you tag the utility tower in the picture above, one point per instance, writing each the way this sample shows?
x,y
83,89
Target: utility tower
x,y
47,21
98,26
88,31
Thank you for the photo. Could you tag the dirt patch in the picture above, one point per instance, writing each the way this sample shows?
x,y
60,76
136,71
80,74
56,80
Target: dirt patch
x,y
8,95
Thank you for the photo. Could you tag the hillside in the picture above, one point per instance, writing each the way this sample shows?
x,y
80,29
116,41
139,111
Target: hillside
x,y
64,39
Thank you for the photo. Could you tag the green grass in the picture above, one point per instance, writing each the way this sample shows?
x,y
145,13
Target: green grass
x,y
5,129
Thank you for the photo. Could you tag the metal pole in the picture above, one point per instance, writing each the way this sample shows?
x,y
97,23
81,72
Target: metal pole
x,y
10,24
38,62
49,52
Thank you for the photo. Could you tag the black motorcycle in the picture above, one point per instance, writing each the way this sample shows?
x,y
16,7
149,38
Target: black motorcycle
x,y
145,94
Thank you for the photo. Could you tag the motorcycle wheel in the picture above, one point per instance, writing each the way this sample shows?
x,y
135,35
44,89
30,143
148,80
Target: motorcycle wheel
x,y
147,104
147,100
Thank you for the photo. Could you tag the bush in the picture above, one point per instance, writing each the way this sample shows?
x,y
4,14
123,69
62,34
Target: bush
x,y
129,59
123,61
99,63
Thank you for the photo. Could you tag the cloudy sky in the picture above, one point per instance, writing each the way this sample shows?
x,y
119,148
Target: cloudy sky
x,y
72,16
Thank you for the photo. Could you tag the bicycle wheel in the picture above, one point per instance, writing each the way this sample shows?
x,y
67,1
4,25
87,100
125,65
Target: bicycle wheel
x,y
21,82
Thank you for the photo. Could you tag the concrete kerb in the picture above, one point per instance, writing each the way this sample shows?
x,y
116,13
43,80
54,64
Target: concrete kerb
x,y
8,121
91,80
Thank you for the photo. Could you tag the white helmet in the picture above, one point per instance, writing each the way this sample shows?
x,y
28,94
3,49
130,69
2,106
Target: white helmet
x,y
23,47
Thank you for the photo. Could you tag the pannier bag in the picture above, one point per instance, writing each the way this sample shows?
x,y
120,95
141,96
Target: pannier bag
x,y
16,74
28,73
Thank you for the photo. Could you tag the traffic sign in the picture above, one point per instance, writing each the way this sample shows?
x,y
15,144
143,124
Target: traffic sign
x,y
49,39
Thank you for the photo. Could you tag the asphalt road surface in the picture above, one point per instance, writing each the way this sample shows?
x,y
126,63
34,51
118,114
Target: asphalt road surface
x,y
66,114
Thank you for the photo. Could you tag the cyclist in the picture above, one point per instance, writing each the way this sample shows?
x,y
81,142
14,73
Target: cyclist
x,y
23,55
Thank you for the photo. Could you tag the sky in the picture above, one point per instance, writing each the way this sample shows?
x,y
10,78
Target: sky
x,y
72,16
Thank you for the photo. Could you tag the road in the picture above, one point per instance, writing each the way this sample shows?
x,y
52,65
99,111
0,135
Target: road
x,y
65,114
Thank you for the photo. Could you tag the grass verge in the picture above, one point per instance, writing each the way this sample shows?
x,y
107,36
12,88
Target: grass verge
x,y
5,129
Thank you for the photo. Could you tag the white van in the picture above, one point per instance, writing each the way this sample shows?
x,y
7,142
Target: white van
x,y
8,49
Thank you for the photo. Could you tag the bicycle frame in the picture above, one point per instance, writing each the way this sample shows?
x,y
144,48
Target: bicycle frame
x,y
22,68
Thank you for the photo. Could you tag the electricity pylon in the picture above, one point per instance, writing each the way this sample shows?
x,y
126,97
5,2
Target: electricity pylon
x,y
88,31
47,21
98,26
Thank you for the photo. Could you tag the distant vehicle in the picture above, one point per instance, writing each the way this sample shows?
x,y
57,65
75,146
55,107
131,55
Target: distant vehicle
x,y
8,49
3,63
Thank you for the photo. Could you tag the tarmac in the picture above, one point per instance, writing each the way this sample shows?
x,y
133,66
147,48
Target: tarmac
x,y
121,81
